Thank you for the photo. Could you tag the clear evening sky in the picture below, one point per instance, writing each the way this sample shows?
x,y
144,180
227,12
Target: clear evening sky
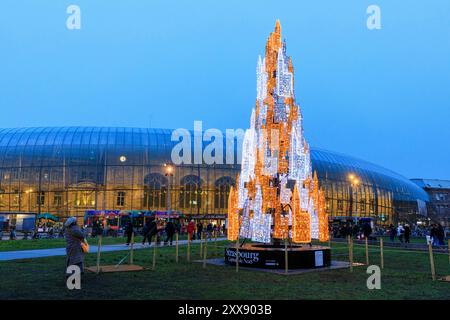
x,y
380,95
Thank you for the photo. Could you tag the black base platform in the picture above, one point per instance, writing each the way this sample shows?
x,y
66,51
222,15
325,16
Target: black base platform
x,y
273,256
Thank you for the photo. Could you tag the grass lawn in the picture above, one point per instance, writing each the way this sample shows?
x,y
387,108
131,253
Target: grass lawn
x,y
406,276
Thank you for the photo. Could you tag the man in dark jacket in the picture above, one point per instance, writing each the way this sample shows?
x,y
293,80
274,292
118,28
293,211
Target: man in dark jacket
x,y
209,230
440,235
392,232
146,232
407,233
129,231
367,230
153,230
199,230
170,231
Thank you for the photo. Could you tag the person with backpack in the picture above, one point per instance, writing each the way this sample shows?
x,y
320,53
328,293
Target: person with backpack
x,y
150,230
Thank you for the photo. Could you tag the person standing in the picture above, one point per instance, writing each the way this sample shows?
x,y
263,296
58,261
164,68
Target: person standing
x,y
209,230
153,230
199,230
12,234
129,231
146,231
74,238
400,233
440,235
407,233
433,235
367,230
392,232
170,231
191,229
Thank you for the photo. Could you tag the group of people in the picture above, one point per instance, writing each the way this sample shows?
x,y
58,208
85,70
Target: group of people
x,y
437,235
403,232
360,231
196,230
153,228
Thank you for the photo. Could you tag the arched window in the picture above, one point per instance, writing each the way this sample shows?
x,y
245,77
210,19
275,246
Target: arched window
x,y
190,192
221,191
155,191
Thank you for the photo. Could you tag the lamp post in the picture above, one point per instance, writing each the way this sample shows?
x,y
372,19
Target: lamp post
x,y
354,181
169,174
28,192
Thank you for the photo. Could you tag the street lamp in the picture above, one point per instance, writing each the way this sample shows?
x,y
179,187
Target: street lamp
x,y
169,174
354,181
28,192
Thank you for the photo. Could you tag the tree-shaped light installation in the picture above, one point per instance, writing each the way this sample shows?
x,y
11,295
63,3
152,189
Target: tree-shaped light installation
x,y
277,195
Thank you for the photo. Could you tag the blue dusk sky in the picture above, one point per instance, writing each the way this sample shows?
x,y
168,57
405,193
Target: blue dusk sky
x,y
380,95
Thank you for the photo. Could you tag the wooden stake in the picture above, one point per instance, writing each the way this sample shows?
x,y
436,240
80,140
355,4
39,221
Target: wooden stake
x,y
215,242
350,253
237,254
286,261
204,254
381,253
448,251
131,248
154,253
367,251
99,250
176,247
189,248
433,271
201,244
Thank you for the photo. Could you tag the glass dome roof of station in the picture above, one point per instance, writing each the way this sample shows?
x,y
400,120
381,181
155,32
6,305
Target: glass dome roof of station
x,y
42,146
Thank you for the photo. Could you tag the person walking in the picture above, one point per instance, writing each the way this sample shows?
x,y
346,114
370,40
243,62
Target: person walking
x,y
74,239
191,229
407,233
170,231
129,231
392,233
433,235
153,230
199,230
400,233
209,230
367,230
12,234
440,235
146,231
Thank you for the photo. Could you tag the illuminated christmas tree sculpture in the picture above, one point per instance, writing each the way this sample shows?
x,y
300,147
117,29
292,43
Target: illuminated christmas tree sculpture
x,y
277,195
